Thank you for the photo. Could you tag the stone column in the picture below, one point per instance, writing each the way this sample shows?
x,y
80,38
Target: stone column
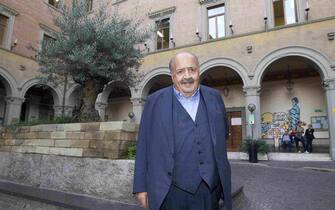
x,y
13,109
69,111
58,110
101,108
330,94
252,96
138,106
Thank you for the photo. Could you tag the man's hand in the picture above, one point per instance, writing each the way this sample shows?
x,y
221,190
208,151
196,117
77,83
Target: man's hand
x,y
142,198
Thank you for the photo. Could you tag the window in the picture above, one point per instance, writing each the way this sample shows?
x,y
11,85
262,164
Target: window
x,y
216,22
163,33
89,5
3,29
47,39
55,3
284,12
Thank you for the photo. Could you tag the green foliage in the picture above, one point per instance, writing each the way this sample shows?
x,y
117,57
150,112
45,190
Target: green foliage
x,y
131,150
92,49
262,146
93,46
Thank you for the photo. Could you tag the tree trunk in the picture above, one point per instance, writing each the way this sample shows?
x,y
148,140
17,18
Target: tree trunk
x,y
88,113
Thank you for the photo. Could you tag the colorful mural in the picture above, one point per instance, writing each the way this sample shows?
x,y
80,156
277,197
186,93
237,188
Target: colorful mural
x,y
274,124
294,113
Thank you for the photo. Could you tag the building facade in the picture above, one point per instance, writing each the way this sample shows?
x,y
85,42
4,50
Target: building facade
x,y
276,54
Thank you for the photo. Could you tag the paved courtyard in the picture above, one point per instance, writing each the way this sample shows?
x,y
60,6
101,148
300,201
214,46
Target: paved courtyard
x,y
276,185
268,185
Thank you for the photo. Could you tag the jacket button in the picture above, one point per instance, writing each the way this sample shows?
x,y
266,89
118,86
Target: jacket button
x,y
169,173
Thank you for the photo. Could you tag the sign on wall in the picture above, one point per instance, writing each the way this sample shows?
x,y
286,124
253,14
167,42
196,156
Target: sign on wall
x,y
320,123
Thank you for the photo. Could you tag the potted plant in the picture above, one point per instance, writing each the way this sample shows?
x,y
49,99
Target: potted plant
x,y
253,147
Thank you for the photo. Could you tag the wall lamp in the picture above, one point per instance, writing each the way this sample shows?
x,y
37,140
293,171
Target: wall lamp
x,y
146,47
306,11
266,23
172,41
231,28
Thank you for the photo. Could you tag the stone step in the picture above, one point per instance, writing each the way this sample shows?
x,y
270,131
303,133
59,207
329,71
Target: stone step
x,y
299,156
282,156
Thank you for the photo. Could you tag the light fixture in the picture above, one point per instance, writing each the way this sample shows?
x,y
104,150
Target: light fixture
x,y
160,34
266,23
231,27
172,41
289,83
146,47
306,11
225,91
198,34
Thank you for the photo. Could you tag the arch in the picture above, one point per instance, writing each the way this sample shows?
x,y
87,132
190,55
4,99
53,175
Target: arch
x,y
103,96
227,62
56,92
318,58
69,97
144,85
9,82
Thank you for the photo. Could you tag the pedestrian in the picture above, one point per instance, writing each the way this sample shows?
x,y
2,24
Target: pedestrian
x,y
286,141
309,136
181,160
299,137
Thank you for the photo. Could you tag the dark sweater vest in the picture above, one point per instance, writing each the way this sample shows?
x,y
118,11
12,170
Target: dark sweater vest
x,y
194,159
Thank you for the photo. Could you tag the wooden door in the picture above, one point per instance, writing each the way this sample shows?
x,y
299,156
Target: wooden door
x,y
235,131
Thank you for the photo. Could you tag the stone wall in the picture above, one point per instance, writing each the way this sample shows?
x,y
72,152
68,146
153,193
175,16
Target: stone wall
x,y
101,140
100,178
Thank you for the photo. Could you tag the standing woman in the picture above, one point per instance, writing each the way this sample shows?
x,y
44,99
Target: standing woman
x,y
309,136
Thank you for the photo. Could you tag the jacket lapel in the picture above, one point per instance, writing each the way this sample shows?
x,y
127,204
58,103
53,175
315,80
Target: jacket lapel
x,y
166,118
210,102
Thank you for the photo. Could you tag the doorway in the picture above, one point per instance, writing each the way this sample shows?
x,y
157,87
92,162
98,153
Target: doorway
x,y
235,122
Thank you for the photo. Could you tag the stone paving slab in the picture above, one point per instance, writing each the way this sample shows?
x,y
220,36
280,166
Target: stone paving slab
x,y
286,185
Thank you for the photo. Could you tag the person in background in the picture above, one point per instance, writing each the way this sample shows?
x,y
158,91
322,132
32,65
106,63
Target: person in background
x,y
299,137
286,141
309,136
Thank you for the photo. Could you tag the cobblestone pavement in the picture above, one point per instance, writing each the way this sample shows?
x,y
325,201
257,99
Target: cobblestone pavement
x,y
275,185
268,185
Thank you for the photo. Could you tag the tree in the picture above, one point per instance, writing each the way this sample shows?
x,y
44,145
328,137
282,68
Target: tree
x,y
93,49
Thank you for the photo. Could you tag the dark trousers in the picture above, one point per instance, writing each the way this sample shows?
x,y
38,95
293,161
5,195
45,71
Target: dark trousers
x,y
287,144
203,199
297,139
309,145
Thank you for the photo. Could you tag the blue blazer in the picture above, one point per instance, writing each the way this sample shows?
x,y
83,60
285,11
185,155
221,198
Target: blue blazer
x,y
155,150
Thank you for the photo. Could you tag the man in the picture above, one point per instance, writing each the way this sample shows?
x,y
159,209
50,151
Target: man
x,y
181,161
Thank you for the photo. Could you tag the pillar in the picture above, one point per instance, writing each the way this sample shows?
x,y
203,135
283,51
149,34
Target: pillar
x,y
13,109
138,106
252,96
58,111
101,108
330,95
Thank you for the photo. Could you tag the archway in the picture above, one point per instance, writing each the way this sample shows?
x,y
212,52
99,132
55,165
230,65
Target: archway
x,y
39,103
118,102
282,80
229,83
156,83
